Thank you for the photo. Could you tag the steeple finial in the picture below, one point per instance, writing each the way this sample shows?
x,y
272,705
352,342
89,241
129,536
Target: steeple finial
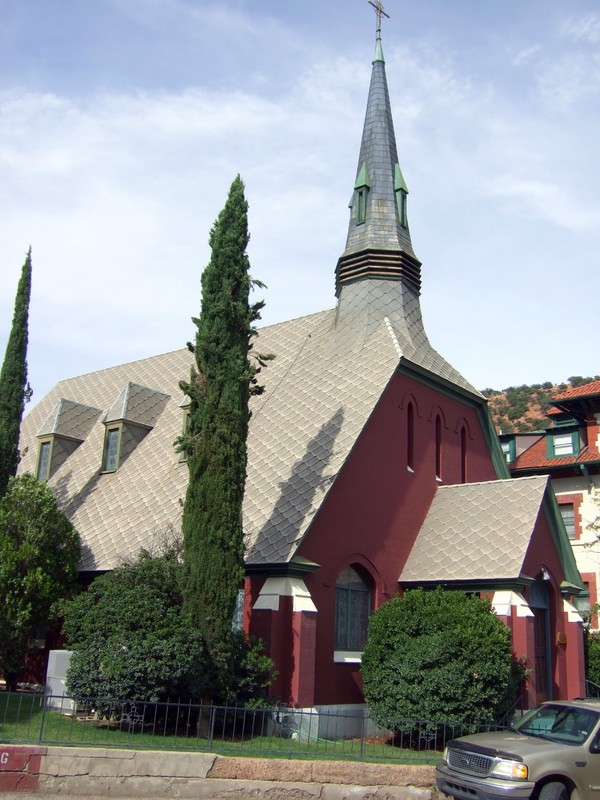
x,y
380,11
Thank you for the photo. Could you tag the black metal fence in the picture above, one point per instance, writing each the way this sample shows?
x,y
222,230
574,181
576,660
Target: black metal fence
x,y
274,731
592,689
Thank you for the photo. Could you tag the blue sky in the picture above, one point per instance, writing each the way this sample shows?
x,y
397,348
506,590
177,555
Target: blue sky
x,y
123,123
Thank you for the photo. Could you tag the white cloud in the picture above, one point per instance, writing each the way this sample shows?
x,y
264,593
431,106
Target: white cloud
x,y
525,56
117,190
583,29
531,198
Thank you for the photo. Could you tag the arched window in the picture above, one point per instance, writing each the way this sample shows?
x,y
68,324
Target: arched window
x,y
463,454
410,436
352,610
438,447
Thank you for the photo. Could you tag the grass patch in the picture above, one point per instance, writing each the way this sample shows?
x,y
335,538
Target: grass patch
x,y
24,719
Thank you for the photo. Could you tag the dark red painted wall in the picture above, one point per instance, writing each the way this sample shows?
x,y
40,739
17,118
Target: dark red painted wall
x,y
566,655
376,507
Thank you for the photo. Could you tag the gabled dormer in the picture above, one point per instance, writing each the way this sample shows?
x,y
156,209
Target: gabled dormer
x,y
563,439
61,434
358,204
128,421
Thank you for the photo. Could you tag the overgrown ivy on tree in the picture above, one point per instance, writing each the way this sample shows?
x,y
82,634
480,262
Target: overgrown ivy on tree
x,y
14,389
215,441
39,550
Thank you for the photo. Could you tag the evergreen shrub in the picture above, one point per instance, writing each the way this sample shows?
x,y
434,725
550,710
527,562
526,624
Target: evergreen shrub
x,y
592,656
436,655
131,641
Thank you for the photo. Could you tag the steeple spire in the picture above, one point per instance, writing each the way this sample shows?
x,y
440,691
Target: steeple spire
x,y
378,243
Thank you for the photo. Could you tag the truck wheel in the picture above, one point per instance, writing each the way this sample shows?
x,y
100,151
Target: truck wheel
x,y
554,791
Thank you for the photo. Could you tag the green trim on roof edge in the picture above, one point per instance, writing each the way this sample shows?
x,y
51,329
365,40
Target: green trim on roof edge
x,y
573,584
296,567
433,380
472,585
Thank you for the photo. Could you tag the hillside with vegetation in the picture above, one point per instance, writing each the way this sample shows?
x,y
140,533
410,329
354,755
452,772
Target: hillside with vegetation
x,y
523,408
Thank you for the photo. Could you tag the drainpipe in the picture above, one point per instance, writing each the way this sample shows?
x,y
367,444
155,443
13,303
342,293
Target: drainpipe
x,y
586,474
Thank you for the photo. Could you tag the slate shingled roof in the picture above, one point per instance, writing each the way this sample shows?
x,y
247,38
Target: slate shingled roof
x,y
301,432
476,531
330,370
71,420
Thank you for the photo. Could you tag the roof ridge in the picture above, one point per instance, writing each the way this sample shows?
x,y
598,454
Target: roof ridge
x,y
497,481
393,336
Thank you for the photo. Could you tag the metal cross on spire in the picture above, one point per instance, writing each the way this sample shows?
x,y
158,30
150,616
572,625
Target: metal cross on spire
x,y
380,11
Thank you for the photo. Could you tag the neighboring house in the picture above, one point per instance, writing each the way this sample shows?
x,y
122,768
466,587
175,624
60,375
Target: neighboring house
x,y
569,452
373,467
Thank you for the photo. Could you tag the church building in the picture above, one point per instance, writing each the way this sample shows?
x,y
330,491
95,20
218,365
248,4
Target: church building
x,y
373,468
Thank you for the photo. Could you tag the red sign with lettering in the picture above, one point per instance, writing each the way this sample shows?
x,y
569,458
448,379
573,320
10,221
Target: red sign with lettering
x,y
20,768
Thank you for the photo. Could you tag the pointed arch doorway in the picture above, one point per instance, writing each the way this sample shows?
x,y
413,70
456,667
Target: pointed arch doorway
x,y
540,605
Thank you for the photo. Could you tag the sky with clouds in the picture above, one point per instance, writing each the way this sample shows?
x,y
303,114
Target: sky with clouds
x,y
123,123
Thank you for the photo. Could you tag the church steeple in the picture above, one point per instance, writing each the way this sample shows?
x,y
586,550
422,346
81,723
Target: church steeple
x,y
378,244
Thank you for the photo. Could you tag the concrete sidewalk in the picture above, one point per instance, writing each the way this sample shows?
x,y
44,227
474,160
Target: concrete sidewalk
x,y
91,772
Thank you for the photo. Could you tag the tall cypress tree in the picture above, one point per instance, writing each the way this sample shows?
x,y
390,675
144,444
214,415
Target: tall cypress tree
x,y
215,442
14,389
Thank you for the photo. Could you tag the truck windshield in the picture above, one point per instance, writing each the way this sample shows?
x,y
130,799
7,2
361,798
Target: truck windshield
x,y
565,724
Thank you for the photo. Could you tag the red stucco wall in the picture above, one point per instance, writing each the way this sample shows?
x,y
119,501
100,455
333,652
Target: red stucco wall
x,y
371,517
566,645
376,507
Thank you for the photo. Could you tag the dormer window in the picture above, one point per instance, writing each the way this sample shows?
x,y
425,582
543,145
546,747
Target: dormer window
x,y
128,421
63,431
361,205
508,449
44,460
563,443
361,193
401,204
112,448
401,192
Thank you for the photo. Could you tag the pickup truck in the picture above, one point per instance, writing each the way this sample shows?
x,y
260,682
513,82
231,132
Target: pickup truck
x,y
551,753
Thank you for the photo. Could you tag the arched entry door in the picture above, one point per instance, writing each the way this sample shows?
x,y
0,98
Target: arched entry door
x,y
540,605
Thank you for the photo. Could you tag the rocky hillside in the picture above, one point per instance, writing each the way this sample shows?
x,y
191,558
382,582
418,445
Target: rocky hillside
x,y
522,408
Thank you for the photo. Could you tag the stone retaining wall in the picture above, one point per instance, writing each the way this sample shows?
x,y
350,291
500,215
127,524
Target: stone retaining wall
x,y
150,774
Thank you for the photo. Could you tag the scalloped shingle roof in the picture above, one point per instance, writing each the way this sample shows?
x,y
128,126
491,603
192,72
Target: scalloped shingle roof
x,y
319,393
476,531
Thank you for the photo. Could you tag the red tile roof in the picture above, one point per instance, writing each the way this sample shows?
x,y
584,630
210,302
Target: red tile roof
x,y
535,457
579,391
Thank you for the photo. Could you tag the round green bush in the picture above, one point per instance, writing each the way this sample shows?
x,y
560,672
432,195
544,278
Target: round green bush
x,y
436,655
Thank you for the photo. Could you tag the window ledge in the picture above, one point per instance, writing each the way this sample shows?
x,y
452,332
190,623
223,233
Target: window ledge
x,y
347,656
